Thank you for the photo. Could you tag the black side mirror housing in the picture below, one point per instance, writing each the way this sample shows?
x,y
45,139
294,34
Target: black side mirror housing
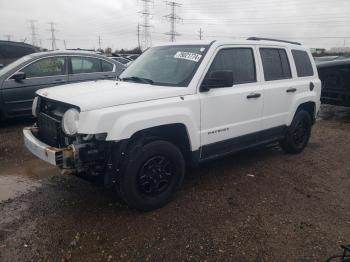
x,y
217,79
18,76
1,66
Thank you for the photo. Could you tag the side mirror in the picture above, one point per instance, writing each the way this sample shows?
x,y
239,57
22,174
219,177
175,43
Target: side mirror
x,y
18,76
1,66
218,79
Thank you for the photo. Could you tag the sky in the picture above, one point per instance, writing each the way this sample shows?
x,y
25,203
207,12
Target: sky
x,y
315,23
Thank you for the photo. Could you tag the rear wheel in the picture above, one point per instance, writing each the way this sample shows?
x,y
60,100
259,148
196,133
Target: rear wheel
x,y
152,174
298,133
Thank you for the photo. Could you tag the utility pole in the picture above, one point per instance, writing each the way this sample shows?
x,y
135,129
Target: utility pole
x,y
99,42
33,32
173,19
64,43
200,34
53,37
146,17
8,37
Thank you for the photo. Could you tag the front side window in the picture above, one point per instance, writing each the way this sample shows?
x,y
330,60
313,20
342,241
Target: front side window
x,y
51,66
166,65
85,65
238,60
302,63
275,63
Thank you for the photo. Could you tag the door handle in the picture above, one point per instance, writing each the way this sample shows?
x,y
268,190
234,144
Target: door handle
x,y
253,95
291,90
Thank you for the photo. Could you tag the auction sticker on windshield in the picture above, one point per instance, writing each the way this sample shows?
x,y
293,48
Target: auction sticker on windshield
x,y
188,56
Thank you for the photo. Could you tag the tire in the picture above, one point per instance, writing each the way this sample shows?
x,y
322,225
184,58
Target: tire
x,y
298,133
151,175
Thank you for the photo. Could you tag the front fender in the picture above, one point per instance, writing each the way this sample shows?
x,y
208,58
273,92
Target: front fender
x,y
121,122
129,124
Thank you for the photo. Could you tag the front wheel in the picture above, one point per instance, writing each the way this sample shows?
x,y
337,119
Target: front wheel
x,y
298,133
152,174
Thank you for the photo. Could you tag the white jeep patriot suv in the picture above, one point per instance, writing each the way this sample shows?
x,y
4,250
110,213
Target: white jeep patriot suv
x,y
176,106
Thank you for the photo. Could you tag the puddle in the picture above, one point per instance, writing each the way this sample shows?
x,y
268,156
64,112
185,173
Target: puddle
x,y
13,186
21,178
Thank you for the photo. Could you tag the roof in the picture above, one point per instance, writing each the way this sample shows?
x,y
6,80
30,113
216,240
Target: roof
x,y
67,52
237,42
336,62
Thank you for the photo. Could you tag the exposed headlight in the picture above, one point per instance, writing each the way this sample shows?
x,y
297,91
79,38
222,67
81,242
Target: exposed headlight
x,y
70,121
35,106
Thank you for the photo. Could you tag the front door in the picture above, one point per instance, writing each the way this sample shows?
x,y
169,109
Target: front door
x,y
45,72
231,115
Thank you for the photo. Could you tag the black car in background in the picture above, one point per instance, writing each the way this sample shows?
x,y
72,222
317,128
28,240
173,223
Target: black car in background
x,y
11,51
21,79
335,78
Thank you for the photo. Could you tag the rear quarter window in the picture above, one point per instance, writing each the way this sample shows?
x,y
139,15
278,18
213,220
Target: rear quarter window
x,y
302,63
275,64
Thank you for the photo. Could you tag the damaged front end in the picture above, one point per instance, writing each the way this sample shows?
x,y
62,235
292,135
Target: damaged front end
x,y
72,154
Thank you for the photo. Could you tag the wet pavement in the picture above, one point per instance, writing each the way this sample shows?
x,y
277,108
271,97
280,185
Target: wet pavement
x,y
260,205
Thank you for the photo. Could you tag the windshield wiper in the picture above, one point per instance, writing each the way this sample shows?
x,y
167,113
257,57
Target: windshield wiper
x,y
138,79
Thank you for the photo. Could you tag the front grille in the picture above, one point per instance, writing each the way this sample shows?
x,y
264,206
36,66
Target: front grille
x,y
50,130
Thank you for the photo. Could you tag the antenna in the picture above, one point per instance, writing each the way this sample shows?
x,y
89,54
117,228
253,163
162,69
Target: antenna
x,y
146,16
200,34
173,19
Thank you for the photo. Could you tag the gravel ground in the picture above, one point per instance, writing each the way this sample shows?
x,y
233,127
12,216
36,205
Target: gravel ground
x,y
261,205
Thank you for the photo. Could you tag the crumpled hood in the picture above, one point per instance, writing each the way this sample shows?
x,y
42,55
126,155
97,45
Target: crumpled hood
x,y
106,93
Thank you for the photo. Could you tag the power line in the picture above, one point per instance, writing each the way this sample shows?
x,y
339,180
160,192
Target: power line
x,y
33,32
146,16
173,18
53,37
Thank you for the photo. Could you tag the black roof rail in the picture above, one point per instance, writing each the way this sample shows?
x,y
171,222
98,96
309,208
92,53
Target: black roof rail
x,y
271,39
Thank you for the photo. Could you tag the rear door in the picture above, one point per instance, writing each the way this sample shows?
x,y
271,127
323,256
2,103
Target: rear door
x,y
231,115
84,68
278,88
44,72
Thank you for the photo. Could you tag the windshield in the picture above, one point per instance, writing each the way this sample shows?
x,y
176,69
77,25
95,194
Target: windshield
x,y
166,65
14,64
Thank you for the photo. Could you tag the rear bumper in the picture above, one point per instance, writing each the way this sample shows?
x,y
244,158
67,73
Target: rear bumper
x,y
52,155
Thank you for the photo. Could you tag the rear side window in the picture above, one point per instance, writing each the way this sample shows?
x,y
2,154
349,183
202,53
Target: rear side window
x,y
302,63
85,65
106,67
275,63
238,60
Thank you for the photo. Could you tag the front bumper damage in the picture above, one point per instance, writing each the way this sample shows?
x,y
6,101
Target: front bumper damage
x,y
60,157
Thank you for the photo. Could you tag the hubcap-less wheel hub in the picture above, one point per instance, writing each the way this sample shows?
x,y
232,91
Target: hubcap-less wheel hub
x,y
155,175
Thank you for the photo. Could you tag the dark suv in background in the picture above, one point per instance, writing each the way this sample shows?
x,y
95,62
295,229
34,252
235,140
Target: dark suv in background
x,y
21,79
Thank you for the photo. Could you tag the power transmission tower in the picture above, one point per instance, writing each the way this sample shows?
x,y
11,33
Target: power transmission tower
x,y
8,37
200,34
138,35
173,18
146,17
33,32
53,37
99,42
